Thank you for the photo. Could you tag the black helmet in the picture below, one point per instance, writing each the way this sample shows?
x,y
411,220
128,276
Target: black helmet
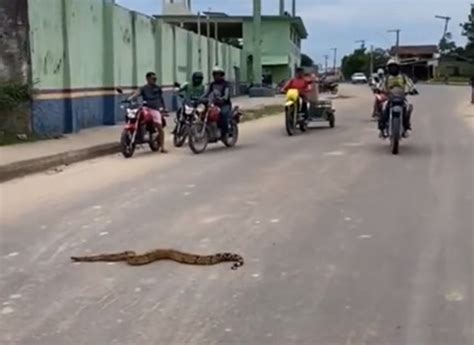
x,y
197,78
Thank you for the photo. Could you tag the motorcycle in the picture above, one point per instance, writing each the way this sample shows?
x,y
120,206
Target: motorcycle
x,y
205,129
139,128
326,85
184,119
397,109
293,116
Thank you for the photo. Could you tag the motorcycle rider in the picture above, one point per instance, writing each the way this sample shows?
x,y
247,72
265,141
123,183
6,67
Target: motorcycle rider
x,y
152,94
221,87
195,89
377,89
302,84
396,79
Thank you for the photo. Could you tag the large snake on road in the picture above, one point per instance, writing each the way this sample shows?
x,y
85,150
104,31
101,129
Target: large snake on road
x,y
131,258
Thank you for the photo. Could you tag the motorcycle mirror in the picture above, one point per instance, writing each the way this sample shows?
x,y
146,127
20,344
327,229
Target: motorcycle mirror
x,y
119,90
176,84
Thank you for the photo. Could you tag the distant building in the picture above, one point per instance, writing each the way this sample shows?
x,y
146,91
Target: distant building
x,y
419,62
280,45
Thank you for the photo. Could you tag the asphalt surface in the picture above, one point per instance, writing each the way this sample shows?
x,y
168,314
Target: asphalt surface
x,y
343,242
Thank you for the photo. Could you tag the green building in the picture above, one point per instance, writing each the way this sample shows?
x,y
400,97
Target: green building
x,y
280,44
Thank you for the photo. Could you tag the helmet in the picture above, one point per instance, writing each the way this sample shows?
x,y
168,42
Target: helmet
x,y
380,72
218,69
197,78
393,66
393,61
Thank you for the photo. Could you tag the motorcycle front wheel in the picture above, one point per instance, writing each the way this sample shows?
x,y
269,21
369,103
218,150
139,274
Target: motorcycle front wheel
x,y
395,135
289,120
180,135
127,147
198,138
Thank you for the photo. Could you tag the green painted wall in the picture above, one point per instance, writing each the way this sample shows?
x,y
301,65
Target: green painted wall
x,y
94,44
276,45
46,44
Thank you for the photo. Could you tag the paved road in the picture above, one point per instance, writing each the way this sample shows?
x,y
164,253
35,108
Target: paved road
x,y
344,243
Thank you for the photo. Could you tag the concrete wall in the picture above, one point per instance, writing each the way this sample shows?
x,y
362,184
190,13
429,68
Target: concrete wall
x,y
82,50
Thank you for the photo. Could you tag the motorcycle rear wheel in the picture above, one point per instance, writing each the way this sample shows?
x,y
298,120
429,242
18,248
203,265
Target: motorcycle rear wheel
x,y
231,141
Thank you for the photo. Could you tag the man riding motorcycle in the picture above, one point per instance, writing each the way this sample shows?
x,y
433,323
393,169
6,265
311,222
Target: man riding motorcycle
x,y
396,79
195,89
152,94
302,84
221,87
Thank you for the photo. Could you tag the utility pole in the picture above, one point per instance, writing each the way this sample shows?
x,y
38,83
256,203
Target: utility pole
x,y
293,8
282,7
335,59
397,32
362,43
326,57
257,40
446,23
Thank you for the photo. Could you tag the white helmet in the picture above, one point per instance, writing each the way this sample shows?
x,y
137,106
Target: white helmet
x,y
380,72
393,61
218,69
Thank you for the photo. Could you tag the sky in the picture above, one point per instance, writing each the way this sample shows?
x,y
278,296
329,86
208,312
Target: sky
x,y
339,23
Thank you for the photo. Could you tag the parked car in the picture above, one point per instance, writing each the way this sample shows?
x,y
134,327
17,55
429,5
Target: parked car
x,y
359,78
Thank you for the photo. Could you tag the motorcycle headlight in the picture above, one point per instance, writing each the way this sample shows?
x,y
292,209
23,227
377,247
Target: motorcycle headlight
x,y
200,108
188,110
131,113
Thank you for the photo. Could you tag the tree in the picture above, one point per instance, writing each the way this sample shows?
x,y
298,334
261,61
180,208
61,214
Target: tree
x,y
359,61
446,45
306,61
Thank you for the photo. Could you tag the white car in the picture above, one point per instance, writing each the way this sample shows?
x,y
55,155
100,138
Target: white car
x,y
359,78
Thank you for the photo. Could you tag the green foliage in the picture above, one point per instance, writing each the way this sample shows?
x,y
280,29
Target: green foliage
x,y
12,95
446,45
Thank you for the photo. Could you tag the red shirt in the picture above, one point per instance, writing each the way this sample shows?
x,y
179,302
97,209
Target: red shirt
x,y
301,84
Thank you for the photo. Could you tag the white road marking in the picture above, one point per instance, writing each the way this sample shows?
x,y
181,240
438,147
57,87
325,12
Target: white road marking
x,y
7,310
365,237
348,219
13,254
275,220
97,207
256,275
138,289
103,233
187,193
454,296
352,144
15,296
334,153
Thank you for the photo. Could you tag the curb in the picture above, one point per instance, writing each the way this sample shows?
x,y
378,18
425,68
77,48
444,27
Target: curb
x,y
35,165
20,169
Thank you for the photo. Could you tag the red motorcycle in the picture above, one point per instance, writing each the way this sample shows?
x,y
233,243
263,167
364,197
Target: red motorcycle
x,y
139,128
205,128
